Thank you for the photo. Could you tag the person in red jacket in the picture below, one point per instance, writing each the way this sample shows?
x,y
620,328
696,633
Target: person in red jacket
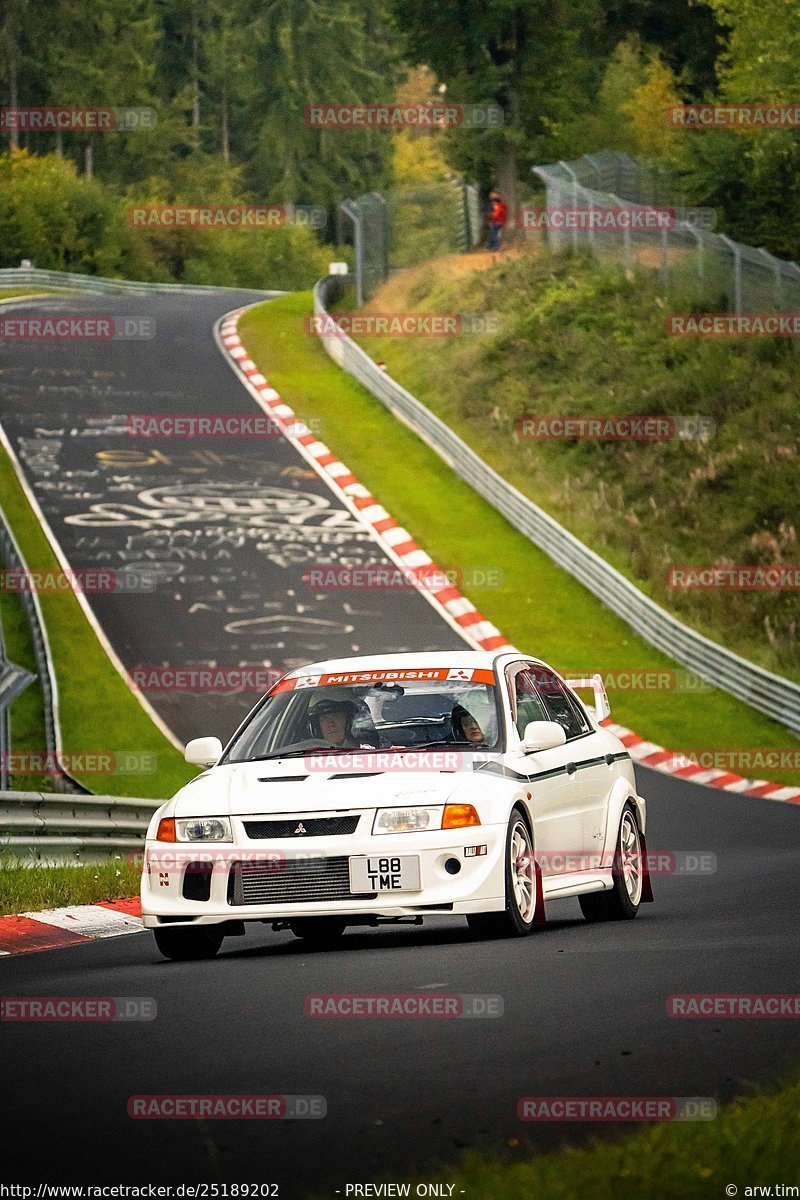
x,y
498,215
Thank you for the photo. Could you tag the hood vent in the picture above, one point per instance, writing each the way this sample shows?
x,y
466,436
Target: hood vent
x,y
281,778
357,775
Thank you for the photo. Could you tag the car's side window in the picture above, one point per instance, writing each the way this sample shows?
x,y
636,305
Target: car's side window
x,y
559,704
528,703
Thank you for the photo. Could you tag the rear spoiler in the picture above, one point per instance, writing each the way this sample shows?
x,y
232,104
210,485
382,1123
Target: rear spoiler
x,y
602,708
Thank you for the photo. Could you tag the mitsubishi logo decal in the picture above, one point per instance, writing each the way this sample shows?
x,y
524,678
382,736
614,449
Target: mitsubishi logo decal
x,y
301,828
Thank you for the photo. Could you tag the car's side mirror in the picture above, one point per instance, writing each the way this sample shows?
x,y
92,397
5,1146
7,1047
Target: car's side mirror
x,y
542,735
203,752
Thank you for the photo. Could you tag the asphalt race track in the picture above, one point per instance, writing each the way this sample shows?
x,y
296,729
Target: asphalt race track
x,y
584,1006
584,1015
222,530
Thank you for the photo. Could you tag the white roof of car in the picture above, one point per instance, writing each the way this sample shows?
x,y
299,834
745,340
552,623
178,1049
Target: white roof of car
x,y
421,658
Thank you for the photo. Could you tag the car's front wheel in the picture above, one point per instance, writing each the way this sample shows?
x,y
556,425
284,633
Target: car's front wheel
x,y
518,917
622,902
186,943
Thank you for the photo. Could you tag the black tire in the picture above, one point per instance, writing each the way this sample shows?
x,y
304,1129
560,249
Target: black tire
x,y
319,931
185,944
622,902
518,917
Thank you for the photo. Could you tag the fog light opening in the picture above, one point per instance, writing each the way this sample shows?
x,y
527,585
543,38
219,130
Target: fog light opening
x,y
452,866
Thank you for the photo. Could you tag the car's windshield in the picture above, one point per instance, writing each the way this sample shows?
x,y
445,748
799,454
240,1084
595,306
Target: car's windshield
x,y
387,713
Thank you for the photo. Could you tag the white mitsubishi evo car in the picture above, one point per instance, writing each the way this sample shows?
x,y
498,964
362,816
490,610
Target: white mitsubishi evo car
x,y
391,787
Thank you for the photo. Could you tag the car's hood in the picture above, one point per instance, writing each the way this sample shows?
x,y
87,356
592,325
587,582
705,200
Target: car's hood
x,y
243,789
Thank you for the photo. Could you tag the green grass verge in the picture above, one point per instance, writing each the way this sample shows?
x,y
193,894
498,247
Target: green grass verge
x,y
30,889
752,1142
539,607
99,713
10,293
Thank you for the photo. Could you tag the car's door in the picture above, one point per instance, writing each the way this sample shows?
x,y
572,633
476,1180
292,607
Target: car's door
x,y
555,789
586,755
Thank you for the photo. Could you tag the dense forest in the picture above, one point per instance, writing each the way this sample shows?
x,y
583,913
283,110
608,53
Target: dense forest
x,y
230,82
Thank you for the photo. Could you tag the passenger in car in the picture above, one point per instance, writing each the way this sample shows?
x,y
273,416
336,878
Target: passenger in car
x,y
465,727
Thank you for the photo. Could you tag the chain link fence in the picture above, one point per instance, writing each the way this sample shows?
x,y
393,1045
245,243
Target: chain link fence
x,y
409,225
609,194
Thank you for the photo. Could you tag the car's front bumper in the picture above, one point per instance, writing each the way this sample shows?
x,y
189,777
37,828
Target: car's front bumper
x,y
479,885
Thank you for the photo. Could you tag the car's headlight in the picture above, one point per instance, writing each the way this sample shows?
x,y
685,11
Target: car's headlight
x,y
413,819
204,829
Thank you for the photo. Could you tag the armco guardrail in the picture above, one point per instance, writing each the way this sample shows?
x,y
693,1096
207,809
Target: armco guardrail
x,y
44,827
769,693
26,277
11,556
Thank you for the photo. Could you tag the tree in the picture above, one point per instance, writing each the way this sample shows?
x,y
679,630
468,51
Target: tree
x,y
525,58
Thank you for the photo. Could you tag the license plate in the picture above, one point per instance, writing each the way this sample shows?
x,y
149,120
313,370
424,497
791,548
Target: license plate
x,y
385,874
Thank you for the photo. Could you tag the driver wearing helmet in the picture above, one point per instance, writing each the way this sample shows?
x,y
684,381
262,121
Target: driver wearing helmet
x,y
332,720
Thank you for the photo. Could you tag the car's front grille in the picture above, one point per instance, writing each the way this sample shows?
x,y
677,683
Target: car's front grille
x,y
302,827
301,880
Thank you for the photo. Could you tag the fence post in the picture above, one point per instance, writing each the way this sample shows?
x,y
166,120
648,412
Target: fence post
x,y
774,263
737,272
574,179
351,210
698,237
626,237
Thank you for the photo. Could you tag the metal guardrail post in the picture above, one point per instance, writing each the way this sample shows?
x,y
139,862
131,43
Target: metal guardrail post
x,y
350,210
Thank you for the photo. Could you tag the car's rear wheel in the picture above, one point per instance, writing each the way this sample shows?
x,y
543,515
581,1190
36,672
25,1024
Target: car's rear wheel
x,y
622,902
518,917
186,943
319,931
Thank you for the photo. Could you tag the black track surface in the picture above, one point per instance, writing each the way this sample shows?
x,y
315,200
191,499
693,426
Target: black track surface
x,y
584,1015
228,527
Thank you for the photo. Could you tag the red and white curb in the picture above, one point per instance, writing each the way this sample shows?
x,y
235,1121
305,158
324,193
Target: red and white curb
x,y
397,542
56,927
648,754
455,608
